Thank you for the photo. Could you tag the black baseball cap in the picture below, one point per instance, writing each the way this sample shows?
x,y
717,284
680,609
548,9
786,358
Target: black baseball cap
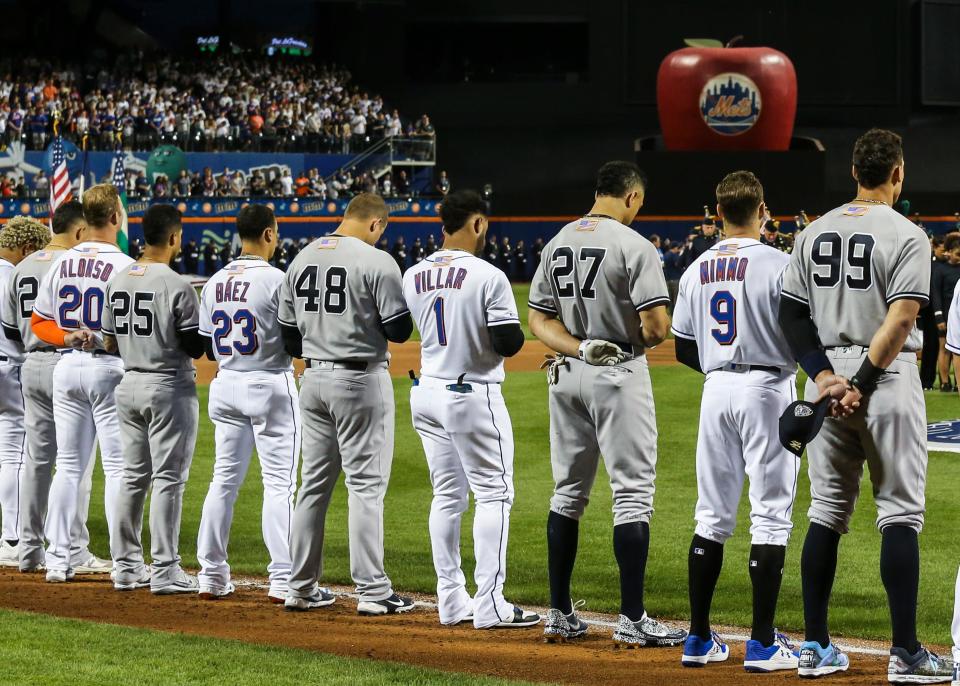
x,y
801,422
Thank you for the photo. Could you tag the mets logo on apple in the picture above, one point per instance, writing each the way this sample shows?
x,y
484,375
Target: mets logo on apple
x,y
730,103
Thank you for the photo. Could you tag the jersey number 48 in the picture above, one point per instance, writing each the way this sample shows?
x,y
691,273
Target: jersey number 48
x,y
307,289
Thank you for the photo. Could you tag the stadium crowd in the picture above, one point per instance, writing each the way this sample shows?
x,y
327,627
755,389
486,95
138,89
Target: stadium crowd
x,y
222,103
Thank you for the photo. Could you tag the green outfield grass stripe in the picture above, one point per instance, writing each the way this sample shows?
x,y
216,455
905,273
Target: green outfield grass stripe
x,y
36,649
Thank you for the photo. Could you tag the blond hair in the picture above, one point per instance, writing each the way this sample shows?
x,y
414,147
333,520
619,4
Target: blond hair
x,y
99,202
24,232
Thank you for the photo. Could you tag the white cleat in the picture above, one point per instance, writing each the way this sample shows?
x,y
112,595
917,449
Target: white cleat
x,y
94,565
9,555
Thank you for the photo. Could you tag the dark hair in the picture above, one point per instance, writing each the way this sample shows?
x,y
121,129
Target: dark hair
x,y
65,216
936,241
951,241
875,154
458,207
159,222
618,178
739,196
252,220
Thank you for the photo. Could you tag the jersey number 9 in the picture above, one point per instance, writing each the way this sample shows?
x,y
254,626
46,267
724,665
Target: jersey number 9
x,y
723,309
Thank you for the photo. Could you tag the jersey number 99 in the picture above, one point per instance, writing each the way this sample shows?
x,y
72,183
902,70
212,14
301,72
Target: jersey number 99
x,y
827,254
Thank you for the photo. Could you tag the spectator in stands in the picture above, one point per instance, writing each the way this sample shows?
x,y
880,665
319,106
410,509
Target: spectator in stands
x,y
505,257
535,253
403,184
286,183
302,185
490,251
160,187
41,185
443,184
520,262
208,183
183,184
191,257
318,186
237,185
399,253
417,253
142,185
258,184
386,185
672,268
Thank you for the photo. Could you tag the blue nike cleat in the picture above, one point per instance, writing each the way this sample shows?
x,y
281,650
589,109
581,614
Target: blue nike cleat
x,y
697,652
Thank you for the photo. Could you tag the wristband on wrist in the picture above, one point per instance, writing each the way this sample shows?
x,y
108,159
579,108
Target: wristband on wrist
x,y
581,351
865,380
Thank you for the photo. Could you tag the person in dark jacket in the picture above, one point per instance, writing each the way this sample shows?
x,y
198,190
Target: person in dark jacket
x,y
944,281
520,262
928,323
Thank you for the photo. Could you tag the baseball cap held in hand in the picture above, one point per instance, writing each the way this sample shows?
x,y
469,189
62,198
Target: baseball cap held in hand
x,y
801,422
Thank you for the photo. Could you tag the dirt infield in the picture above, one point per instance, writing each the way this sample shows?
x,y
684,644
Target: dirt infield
x,y
415,638
406,356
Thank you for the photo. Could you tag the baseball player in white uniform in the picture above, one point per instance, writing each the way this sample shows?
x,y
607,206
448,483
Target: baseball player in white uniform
x,y
467,317
151,318
340,302
253,402
18,239
851,294
67,314
37,377
725,324
953,346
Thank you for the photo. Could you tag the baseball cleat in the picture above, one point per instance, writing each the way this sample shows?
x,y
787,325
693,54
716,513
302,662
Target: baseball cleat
x,y
816,661
33,568
648,632
560,628
466,619
321,597
94,565
924,667
520,620
59,576
778,655
182,583
215,593
142,581
277,597
698,652
9,554
393,605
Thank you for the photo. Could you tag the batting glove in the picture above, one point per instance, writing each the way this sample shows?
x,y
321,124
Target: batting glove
x,y
600,353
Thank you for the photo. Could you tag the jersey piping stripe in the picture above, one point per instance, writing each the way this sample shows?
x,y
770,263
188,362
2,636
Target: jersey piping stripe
x,y
653,302
794,297
293,461
716,247
189,328
108,249
495,322
503,475
683,334
542,308
908,294
42,313
389,319
23,442
285,322
953,349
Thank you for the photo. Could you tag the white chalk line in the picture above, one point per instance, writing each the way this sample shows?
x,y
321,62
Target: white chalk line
x,y
342,592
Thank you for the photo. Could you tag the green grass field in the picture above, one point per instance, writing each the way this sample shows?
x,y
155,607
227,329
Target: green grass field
x,y
859,601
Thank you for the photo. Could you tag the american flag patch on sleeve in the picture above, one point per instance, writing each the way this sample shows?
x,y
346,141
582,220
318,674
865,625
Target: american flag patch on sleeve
x,y
137,270
855,210
327,243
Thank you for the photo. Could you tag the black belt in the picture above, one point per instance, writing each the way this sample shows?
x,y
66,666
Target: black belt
x,y
3,358
751,368
46,349
345,364
628,348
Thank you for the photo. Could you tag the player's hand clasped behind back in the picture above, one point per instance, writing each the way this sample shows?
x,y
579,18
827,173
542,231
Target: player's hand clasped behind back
x,y
844,398
601,353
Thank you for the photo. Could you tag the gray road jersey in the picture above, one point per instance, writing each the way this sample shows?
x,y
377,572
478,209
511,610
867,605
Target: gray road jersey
x,y
22,291
339,292
146,305
850,264
596,275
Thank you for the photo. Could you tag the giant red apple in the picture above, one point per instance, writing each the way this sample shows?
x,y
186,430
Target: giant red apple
x,y
727,99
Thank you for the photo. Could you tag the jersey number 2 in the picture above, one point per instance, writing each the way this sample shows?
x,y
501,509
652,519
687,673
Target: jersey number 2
x,y
723,309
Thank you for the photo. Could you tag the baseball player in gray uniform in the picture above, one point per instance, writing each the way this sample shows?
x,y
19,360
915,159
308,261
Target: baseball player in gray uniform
x,y
37,379
851,293
599,299
340,303
151,316
20,237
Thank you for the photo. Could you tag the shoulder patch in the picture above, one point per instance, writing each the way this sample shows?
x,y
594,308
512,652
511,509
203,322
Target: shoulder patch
x,y
44,255
442,260
137,270
588,224
727,249
89,251
854,211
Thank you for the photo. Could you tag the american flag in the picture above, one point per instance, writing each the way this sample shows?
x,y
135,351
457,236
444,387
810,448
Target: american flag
x,y
60,182
119,173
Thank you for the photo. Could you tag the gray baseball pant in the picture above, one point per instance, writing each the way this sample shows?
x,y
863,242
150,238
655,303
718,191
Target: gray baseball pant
x,y
38,465
158,416
348,425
